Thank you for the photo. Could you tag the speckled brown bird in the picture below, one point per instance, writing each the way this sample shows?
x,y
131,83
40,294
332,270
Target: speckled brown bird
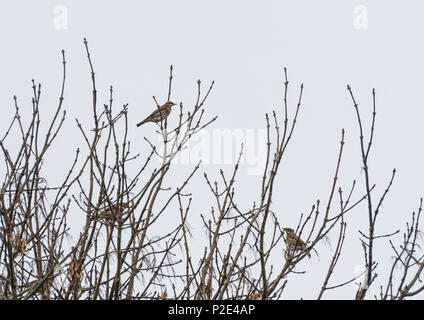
x,y
293,242
109,214
159,114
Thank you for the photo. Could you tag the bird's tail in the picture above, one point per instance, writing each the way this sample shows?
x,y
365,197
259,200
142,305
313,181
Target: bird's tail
x,y
141,123
309,253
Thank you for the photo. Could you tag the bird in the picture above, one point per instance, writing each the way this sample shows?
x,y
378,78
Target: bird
x,y
110,213
293,242
159,114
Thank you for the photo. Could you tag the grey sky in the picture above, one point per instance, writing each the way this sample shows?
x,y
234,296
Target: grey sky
x,y
243,46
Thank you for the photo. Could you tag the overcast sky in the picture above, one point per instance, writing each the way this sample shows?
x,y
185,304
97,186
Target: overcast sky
x,y
243,46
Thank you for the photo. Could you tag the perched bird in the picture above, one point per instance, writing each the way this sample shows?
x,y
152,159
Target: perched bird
x,y
159,114
109,214
293,242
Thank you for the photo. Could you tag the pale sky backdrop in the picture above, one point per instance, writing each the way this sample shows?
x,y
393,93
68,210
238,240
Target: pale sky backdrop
x,y
243,46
